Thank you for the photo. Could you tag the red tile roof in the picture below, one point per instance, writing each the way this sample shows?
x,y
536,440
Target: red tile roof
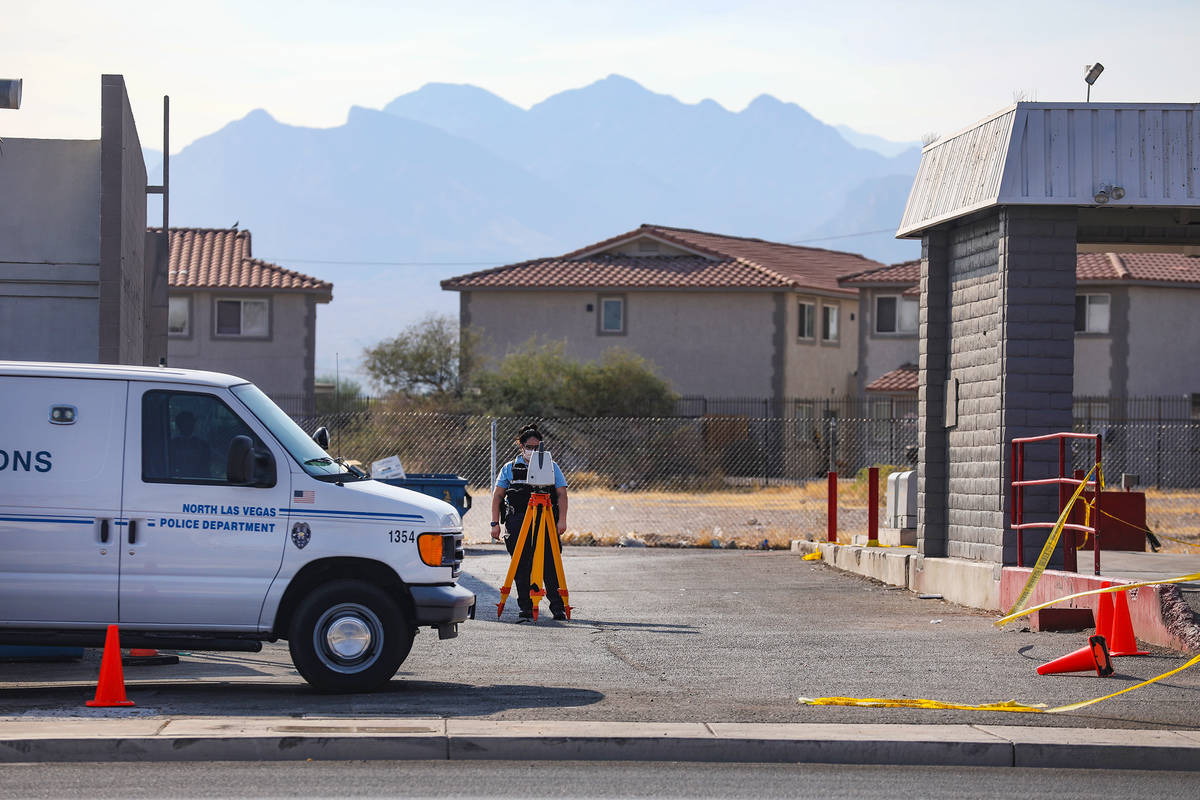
x,y
219,258
720,262
901,379
1090,267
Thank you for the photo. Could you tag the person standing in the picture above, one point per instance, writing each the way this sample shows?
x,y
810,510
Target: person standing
x,y
510,500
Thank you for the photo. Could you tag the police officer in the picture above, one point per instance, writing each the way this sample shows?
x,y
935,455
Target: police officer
x,y
509,503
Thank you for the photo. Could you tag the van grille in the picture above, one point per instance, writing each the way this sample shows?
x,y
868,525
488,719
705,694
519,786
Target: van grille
x,y
452,552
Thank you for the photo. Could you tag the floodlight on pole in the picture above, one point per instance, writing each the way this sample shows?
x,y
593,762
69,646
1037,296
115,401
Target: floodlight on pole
x,y
10,93
1089,77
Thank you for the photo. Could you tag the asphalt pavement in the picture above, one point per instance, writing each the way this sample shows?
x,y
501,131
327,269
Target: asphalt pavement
x,y
687,636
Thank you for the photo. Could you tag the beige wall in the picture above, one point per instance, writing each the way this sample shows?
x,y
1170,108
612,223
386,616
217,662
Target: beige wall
x,y
1164,340
882,352
279,365
814,368
712,343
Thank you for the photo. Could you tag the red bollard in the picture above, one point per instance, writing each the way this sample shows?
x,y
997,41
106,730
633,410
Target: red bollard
x,y
832,513
873,507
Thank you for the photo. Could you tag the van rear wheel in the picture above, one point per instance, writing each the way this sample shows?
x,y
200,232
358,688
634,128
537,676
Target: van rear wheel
x,y
348,636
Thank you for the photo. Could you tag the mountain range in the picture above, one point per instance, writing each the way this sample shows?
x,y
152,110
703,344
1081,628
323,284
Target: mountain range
x,y
452,178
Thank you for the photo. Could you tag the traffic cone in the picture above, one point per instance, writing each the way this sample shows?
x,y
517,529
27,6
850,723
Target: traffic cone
x,y
1124,642
1104,613
110,691
1093,655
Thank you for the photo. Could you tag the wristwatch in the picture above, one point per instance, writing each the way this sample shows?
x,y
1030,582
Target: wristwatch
x,y
495,524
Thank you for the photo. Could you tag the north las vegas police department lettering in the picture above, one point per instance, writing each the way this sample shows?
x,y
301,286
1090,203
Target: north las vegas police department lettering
x,y
236,525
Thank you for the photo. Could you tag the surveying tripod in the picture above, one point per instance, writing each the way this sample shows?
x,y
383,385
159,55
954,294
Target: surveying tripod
x,y
544,537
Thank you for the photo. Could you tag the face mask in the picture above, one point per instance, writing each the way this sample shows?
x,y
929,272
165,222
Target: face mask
x,y
528,453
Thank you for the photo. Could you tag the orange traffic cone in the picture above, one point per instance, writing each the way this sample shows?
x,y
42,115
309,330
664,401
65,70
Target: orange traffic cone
x,y
1104,614
1123,641
110,691
1093,655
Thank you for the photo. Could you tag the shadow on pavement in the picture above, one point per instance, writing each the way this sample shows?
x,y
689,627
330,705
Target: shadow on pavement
x,y
400,697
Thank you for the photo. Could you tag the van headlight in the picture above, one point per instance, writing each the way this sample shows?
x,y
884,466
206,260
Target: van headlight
x,y
450,519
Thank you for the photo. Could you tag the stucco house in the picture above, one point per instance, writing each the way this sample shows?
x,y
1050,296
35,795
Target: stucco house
x,y
1135,330
718,316
231,312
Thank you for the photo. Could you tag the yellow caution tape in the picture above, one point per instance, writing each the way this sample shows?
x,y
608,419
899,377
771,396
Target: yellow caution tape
x,y
1008,705
813,556
1195,576
1089,506
1048,548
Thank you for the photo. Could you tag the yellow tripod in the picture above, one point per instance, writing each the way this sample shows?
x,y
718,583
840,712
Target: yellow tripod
x,y
542,535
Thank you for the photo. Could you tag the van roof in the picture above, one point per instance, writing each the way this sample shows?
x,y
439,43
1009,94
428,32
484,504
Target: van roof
x,y
117,372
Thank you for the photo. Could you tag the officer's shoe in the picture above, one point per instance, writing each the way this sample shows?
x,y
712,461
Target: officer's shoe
x,y
560,614
524,616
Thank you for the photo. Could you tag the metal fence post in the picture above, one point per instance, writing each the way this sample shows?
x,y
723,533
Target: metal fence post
x,y
492,474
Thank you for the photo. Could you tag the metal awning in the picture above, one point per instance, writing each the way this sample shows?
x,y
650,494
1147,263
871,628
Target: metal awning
x,y
1125,155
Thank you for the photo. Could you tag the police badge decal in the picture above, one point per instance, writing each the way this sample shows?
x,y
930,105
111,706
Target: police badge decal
x,y
301,533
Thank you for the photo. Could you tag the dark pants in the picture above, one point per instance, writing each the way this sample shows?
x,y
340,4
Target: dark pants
x,y
525,566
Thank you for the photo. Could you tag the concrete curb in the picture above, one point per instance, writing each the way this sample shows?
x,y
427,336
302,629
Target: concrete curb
x,y
283,739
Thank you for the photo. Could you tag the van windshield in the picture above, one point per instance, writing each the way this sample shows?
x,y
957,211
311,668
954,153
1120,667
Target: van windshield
x,y
299,444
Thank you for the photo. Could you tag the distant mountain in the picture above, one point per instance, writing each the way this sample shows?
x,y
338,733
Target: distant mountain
x,y
875,205
869,141
452,178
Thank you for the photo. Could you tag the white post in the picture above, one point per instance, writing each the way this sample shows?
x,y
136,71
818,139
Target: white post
x,y
492,474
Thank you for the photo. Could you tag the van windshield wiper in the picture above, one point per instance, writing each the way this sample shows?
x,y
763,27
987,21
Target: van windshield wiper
x,y
312,462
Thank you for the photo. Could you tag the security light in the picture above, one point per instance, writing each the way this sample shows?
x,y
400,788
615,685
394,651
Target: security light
x,y
1093,72
10,93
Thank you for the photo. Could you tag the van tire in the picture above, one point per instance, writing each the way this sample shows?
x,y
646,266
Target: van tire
x,y
348,636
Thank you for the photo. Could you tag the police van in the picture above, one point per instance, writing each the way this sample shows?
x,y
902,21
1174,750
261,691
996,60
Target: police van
x,y
186,507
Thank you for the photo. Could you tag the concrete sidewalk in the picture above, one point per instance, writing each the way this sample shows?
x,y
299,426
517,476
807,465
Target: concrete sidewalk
x,y
26,739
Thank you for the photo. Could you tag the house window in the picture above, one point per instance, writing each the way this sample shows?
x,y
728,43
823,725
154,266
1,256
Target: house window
x,y
829,323
612,315
807,321
248,318
895,314
1091,313
179,316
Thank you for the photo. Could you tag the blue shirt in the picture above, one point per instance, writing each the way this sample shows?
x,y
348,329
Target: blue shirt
x,y
504,479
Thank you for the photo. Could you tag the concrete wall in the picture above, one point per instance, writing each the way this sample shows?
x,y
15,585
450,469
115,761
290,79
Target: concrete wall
x,y
713,343
815,368
126,279
280,364
880,353
49,250
997,346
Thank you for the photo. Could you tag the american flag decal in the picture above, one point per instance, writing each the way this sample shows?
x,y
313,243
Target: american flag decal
x,y
305,496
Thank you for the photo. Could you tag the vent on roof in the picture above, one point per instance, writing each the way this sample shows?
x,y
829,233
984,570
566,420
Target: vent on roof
x,y
646,246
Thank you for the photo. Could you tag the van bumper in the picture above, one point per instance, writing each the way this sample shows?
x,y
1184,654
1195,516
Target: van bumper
x,y
443,607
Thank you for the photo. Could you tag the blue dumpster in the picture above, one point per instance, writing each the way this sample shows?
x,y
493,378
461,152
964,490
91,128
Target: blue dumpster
x,y
24,653
442,485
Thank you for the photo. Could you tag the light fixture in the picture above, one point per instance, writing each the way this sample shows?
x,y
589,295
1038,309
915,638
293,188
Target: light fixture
x,y
1108,192
1089,77
1101,197
10,93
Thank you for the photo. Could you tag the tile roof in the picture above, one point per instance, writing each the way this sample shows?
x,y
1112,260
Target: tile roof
x,y
720,262
1090,267
901,379
219,258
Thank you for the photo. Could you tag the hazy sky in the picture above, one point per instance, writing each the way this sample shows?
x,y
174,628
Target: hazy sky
x,y
898,70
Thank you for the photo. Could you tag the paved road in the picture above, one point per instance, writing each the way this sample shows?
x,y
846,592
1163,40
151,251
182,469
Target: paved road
x,y
669,635
575,779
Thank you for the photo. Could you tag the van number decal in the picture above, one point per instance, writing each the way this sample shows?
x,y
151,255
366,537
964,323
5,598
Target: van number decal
x,y
398,537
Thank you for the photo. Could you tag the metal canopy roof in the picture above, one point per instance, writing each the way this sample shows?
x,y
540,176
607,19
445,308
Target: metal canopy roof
x,y
1141,155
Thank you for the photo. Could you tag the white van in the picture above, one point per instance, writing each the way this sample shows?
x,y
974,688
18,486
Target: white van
x,y
189,509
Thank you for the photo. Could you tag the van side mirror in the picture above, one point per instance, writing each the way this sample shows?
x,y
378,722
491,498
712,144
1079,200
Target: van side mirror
x,y
246,466
321,437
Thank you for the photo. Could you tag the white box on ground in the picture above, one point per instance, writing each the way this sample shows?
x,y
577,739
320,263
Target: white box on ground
x,y
389,467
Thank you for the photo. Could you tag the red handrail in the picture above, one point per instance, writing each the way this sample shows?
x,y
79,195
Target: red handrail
x,y
1017,521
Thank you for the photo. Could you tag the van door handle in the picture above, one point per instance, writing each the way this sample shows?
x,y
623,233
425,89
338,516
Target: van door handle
x,y
133,531
103,531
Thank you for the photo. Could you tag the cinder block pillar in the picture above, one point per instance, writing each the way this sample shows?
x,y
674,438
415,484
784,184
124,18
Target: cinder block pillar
x,y
1037,256
932,461
996,362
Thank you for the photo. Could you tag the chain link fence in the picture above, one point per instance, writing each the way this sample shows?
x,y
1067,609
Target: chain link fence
x,y
729,480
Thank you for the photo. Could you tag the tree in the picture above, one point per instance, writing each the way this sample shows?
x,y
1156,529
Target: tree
x,y
428,357
538,380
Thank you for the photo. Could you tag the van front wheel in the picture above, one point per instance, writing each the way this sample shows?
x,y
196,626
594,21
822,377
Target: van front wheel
x,y
348,636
